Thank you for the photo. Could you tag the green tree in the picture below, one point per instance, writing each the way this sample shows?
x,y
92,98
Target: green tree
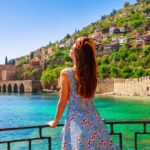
x,y
146,50
131,57
105,60
58,70
48,77
104,70
98,59
68,36
147,72
23,61
13,62
115,72
139,73
113,12
68,64
103,17
146,61
6,60
31,55
126,4
126,72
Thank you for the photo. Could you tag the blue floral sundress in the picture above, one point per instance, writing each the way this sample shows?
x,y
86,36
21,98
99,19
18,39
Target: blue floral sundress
x,y
84,128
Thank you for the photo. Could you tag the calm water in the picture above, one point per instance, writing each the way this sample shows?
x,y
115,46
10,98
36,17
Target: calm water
x,y
29,109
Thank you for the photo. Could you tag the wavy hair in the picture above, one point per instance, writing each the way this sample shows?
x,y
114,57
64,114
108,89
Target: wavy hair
x,y
87,66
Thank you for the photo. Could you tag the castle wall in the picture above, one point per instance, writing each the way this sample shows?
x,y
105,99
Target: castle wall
x,y
136,86
105,86
131,86
7,72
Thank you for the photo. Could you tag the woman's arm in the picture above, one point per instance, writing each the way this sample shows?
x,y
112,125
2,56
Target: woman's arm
x,y
63,95
63,98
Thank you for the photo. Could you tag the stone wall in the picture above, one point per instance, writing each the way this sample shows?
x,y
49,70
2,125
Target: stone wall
x,y
7,72
24,86
135,86
105,86
131,86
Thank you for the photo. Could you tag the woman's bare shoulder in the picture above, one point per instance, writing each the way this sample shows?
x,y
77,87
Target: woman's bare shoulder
x,y
64,71
65,75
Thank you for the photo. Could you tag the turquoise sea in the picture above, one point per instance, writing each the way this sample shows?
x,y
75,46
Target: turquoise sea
x,y
18,110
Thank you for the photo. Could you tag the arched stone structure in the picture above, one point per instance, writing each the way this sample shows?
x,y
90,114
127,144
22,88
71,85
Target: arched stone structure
x,y
9,88
15,88
27,86
21,88
4,88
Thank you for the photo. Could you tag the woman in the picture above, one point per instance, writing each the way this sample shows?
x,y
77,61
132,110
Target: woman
x,y
84,128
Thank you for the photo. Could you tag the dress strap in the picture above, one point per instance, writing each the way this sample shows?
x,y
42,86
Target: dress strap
x,y
72,79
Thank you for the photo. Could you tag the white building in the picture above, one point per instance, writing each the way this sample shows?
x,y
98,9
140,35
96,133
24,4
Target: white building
x,y
123,40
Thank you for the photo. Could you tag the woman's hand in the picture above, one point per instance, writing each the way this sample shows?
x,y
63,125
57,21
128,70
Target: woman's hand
x,y
52,123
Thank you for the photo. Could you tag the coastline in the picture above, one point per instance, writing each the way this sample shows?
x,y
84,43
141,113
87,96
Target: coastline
x,y
121,97
124,97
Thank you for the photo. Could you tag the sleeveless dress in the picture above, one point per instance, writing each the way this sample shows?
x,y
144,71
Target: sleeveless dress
x,y
84,128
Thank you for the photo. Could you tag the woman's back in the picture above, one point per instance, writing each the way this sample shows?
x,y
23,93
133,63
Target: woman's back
x,y
74,100
84,128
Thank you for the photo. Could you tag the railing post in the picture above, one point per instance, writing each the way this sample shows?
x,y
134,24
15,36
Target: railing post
x,y
120,138
135,138
40,132
49,144
29,144
8,146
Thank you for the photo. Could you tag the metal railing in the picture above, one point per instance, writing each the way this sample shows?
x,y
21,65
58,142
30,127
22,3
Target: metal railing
x,y
112,124
144,123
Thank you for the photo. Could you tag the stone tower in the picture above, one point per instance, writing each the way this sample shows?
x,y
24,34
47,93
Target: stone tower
x,y
7,72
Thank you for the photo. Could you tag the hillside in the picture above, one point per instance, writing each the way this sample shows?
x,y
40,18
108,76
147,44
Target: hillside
x,y
122,40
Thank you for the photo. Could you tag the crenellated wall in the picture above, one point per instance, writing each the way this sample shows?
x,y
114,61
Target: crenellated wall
x,y
105,86
131,86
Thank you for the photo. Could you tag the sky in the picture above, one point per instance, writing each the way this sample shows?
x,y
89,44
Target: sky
x,y
26,25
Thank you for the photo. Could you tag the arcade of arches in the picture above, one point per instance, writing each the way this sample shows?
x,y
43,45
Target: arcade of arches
x,y
20,86
9,84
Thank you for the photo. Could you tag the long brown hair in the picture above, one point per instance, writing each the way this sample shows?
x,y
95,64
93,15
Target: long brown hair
x,y
85,58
